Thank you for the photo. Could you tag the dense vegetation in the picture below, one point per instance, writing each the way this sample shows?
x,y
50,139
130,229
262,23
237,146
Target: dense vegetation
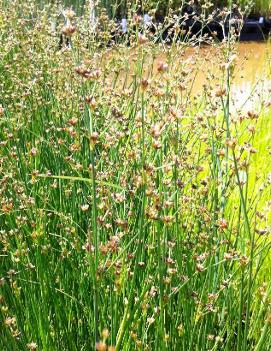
x,y
162,7
134,211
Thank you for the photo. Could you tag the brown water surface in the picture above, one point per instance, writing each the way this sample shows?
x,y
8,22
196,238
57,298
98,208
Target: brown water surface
x,y
253,76
252,60
252,73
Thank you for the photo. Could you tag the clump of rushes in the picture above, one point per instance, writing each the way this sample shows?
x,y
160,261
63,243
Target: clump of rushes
x,y
132,212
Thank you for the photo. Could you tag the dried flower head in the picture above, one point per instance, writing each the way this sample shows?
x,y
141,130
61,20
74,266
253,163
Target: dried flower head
x,y
32,346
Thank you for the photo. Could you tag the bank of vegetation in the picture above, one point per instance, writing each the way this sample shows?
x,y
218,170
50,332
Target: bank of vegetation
x,y
162,7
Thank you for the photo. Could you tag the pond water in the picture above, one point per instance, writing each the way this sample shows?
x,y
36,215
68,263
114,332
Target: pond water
x,y
252,60
252,75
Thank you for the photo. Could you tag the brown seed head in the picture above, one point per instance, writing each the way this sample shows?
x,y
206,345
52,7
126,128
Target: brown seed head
x,y
162,67
101,346
94,137
68,30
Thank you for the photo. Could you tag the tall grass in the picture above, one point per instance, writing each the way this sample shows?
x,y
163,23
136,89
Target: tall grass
x,y
130,216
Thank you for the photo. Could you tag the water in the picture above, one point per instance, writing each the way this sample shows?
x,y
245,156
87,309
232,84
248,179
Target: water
x,y
252,73
253,79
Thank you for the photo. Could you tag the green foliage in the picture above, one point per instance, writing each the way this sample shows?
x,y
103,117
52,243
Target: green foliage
x,y
162,7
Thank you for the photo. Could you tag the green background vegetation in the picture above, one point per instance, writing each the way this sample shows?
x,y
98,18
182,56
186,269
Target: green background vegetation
x,y
260,7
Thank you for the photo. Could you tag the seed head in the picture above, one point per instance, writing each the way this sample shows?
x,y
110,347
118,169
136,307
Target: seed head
x,y
33,151
142,39
220,92
101,346
94,137
32,346
144,83
222,223
85,207
231,143
162,67
68,30
69,14
105,333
